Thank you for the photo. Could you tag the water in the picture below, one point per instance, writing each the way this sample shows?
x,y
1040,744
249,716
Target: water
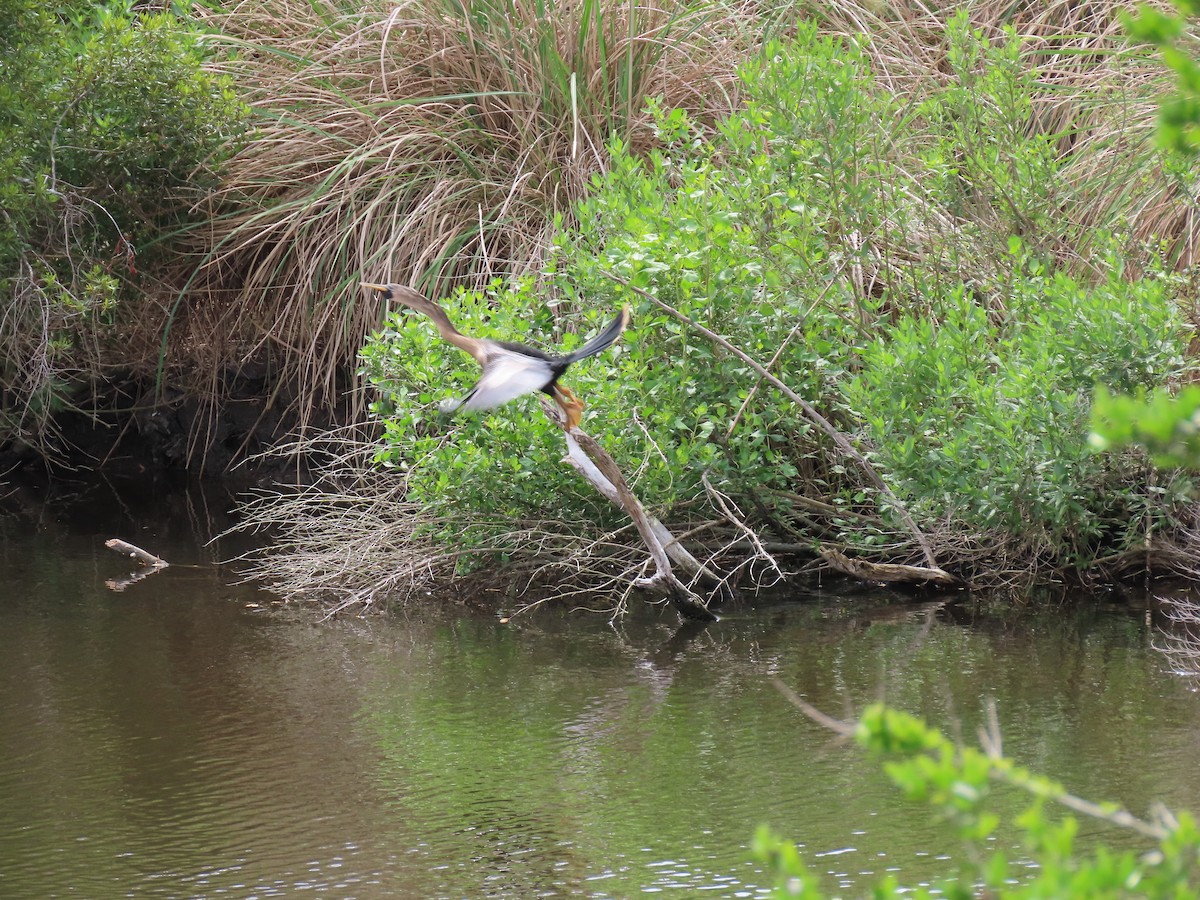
x,y
186,737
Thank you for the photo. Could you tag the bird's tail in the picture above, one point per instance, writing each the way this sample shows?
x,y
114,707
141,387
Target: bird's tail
x,y
603,340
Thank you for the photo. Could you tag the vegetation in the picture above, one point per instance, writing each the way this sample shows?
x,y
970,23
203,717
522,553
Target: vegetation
x,y
1179,115
941,232
961,783
1163,422
111,129
902,261
938,231
433,142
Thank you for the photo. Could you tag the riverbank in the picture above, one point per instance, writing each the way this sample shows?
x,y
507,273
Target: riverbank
x,y
135,427
873,284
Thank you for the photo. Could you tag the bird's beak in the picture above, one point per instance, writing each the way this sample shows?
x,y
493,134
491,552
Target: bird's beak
x,y
382,288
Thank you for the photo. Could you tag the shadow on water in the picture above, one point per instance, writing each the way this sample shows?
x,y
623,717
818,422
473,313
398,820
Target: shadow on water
x,y
184,738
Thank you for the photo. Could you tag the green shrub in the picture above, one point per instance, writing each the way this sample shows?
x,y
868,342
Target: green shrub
x,y
890,265
111,130
960,783
980,415
987,165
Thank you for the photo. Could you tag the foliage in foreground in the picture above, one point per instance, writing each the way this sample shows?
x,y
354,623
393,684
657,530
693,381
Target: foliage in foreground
x,y
111,129
960,784
900,267
1179,113
1165,423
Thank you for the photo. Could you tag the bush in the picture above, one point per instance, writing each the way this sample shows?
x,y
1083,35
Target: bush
x,y
716,236
981,417
112,130
899,268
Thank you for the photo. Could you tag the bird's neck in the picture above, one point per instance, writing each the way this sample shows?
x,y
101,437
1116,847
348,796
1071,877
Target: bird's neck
x,y
449,333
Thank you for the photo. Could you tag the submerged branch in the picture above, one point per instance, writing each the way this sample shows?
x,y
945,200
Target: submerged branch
x,y
151,562
144,557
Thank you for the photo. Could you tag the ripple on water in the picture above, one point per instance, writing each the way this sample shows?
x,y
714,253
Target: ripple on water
x,y
167,742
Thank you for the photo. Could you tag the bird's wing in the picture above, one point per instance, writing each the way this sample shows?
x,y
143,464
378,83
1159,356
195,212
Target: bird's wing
x,y
506,376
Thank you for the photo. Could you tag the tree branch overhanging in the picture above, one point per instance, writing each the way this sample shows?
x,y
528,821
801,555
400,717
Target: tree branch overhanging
x,y
593,462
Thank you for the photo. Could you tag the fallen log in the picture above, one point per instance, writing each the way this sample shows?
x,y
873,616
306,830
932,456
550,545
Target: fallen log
x,y
142,556
889,573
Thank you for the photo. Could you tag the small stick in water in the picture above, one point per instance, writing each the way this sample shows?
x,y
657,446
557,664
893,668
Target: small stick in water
x,y
127,549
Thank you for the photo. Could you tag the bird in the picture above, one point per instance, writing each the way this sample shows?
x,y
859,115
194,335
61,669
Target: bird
x,y
510,369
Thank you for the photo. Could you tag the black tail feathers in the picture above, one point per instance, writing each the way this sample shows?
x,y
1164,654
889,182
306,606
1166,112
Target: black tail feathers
x,y
603,340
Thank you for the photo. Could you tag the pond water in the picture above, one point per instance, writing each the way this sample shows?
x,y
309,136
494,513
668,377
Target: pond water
x,y
185,737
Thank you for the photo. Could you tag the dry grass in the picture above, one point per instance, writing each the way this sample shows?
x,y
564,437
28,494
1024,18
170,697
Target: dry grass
x,y
350,540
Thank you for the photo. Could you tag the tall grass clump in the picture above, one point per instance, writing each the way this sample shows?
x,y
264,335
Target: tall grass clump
x,y
433,141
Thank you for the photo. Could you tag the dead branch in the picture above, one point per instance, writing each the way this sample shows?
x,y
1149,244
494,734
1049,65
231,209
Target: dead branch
x,y
149,560
142,556
888,572
733,516
592,461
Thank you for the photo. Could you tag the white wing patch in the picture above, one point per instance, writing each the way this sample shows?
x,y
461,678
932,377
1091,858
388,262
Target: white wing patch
x,y
506,376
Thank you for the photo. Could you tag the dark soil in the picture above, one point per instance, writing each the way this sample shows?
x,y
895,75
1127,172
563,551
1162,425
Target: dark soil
x,y
134,429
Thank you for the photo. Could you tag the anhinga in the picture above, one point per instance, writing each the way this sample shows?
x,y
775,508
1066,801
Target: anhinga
x,y
510,370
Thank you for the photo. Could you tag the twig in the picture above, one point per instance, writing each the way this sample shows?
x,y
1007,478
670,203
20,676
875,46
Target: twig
x,y
1000,773
733,516
800,320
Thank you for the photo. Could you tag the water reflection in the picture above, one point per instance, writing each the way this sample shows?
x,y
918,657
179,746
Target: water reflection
x,y
172,740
